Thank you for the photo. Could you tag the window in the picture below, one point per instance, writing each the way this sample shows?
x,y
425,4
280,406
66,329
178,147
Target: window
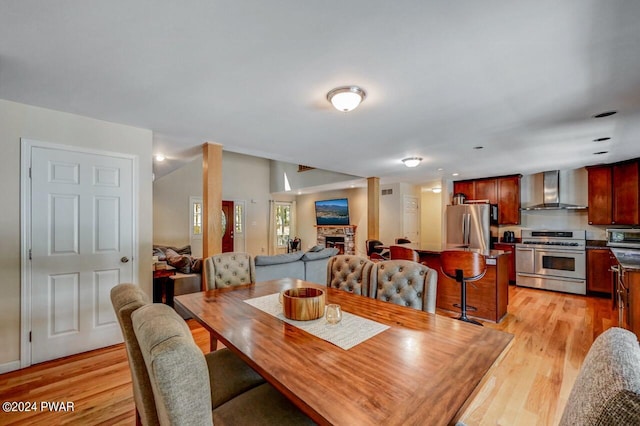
x,y
283,224
196,218
238,218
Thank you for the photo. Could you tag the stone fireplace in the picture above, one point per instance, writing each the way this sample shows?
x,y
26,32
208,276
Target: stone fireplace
x,y
341,237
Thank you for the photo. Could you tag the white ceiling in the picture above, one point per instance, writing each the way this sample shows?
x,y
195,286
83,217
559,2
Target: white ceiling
x,y
522,79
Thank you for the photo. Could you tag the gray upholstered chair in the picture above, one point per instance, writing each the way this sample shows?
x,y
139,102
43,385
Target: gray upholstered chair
x,y
607,389
126,299
233,374
405,283
228,269
185,384
349,273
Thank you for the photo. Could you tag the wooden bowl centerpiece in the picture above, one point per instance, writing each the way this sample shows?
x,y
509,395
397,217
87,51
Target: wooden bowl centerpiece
x,y
303,304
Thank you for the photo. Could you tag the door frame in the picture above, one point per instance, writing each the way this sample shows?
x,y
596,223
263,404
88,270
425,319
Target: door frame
x,y
25,228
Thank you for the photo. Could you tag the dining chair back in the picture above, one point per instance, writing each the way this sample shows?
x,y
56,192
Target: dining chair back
x,y
229,269
403,253
349,273
463,266
402,240
405,283
127,298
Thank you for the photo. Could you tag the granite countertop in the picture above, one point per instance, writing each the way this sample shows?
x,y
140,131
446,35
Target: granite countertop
x,y
628,259
437,249
596,244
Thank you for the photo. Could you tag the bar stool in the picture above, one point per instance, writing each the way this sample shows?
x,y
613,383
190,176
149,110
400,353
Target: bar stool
x,y
464,267
404,253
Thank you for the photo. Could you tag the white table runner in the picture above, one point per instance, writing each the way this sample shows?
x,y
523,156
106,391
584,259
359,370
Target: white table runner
x,y
349,332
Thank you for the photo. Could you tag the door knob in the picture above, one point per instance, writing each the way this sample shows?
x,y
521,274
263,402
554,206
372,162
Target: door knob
x,y
124,259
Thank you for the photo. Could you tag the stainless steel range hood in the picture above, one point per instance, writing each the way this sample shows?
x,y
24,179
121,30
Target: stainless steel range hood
x,y
551,194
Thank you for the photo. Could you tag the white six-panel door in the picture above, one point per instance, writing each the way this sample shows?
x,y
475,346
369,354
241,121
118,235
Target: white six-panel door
x,y
81,246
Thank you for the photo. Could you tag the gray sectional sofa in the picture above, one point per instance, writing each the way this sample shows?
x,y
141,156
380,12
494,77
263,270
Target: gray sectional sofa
x,y
310,266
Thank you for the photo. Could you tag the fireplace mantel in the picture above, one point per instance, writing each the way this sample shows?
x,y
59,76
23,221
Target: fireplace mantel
x,y
342,237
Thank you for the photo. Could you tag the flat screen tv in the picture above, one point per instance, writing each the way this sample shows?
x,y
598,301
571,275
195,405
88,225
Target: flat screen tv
x,y
332,212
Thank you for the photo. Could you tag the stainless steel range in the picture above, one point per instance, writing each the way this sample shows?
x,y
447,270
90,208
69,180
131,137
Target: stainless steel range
x,y
552,260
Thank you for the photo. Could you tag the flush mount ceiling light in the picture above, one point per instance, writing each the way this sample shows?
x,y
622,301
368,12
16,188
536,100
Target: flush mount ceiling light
x,y
346,98
436,190
160,157
412,161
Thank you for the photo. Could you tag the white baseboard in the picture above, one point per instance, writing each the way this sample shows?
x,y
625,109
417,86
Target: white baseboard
x,y
9,366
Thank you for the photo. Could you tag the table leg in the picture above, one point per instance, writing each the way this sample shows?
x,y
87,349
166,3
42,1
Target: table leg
x,y
157,290
169,289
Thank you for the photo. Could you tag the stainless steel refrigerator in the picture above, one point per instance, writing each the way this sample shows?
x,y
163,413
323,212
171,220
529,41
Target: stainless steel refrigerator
x,y
470,225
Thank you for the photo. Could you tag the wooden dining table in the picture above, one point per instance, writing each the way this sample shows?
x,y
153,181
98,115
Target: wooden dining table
x,y
423,369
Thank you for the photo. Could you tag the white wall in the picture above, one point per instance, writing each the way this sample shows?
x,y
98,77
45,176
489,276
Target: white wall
x,y
431,215
299,180
391,210
171,216
24,121
244,177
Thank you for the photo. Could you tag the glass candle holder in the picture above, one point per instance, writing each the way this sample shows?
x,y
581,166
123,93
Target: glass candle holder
x,y
333,314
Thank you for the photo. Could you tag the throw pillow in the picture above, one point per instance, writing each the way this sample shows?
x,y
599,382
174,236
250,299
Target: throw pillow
x,y
181,262
316,248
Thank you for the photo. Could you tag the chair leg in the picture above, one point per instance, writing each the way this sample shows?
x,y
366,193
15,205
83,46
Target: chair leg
x,y
463,300
213,342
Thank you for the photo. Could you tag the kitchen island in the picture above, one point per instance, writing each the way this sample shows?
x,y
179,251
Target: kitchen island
x,y
490,294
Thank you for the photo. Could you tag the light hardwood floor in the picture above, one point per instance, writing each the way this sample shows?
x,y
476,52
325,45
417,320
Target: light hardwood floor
x,y
553,333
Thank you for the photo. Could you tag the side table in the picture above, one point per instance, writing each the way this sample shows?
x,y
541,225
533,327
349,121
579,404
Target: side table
x,y
162,284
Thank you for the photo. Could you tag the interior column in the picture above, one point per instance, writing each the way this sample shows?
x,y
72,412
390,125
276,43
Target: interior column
x,y
373,208
211,199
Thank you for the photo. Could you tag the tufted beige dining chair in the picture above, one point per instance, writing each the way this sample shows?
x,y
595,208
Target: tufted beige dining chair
x,y
228,269
184,383
405,283
349,273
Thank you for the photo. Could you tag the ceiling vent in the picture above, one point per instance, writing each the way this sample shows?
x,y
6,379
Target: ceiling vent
x,y
387,191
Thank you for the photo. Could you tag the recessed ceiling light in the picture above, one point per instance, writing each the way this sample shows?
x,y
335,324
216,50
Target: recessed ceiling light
x,y
436,190
440,169
412,161
605,114
601,139
455,174
160,157
478,147
600,152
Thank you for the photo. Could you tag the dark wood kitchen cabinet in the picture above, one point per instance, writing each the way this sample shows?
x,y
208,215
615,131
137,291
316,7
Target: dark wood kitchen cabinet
x,y
509,200
614,193
465,187
503,191
600,185
486,189
599,276
510,247
626,192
